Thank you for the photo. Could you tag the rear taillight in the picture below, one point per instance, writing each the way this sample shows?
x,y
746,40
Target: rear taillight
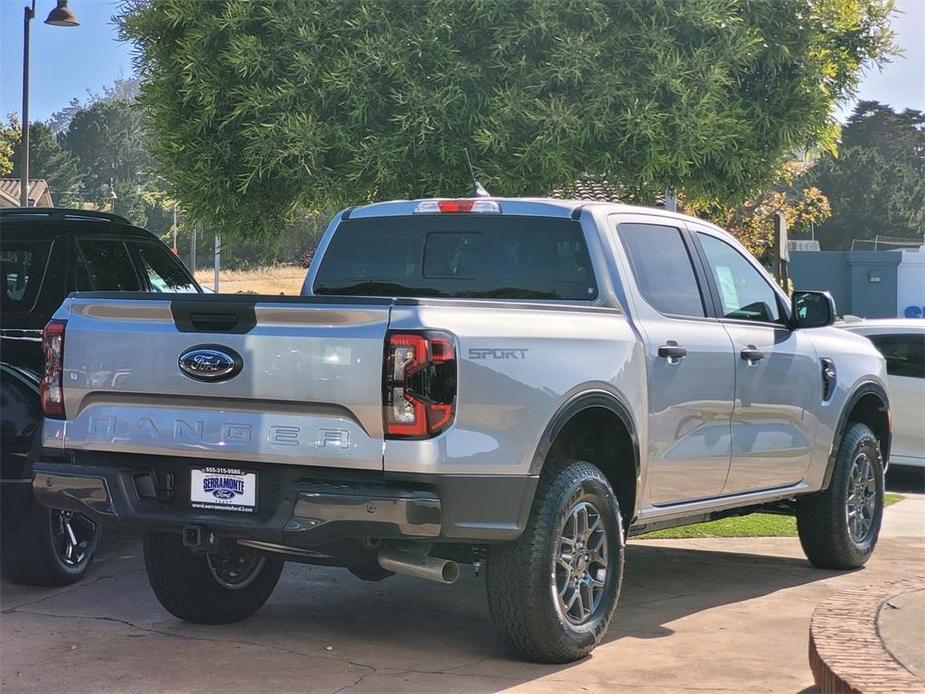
x,y
51,387
419,384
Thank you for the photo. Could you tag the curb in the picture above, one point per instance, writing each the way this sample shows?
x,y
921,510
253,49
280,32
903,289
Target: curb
x,y
846,653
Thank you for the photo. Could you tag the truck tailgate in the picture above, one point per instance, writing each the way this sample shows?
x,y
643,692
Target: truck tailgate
x,y
308,390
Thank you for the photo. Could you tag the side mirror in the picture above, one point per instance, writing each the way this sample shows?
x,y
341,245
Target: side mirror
x,y
811,310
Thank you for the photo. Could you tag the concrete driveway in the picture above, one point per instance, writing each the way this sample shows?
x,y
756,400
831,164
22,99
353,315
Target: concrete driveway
x,y
701,615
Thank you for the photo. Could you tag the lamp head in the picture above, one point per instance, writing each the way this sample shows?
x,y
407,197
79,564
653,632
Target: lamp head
x,y
62,16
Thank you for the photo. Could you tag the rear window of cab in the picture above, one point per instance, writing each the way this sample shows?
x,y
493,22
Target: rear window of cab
x,y
458,256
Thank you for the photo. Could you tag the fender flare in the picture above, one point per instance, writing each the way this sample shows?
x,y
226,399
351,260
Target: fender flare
x,y
586,400
865,388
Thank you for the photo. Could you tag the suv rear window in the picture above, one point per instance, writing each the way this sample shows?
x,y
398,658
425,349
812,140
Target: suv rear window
x,y
22,265
458,256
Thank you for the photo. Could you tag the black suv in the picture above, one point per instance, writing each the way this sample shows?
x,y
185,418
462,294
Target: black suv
x,y
45,254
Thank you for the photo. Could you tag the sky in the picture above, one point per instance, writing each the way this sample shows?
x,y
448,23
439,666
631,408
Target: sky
x,y
72,62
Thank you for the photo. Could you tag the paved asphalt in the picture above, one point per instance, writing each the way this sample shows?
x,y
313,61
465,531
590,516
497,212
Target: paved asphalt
x,y
705,615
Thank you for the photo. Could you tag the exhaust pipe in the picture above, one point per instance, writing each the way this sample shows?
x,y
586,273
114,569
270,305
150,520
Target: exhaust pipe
x,y
420,565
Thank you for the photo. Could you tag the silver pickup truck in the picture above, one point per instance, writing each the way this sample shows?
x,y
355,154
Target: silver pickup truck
x,y
509,383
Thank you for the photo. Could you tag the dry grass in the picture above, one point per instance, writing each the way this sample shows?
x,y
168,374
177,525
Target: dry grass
x,y
276,279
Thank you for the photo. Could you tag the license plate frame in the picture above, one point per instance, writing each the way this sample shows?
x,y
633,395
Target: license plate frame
x,y
223,488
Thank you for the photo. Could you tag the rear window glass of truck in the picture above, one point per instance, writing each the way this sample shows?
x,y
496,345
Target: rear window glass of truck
x,y
458,256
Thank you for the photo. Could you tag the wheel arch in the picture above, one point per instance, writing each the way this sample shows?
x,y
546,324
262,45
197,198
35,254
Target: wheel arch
x,y
868,404
597,426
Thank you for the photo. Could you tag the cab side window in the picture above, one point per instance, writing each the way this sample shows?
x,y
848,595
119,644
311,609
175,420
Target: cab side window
x,y
744,292
904,354
662,268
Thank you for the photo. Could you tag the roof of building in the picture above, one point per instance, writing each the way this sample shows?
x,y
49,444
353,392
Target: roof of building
x,y
9,189
12,200
598,190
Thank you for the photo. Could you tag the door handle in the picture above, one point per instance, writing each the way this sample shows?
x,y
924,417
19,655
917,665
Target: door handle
x,y
672,351
752,355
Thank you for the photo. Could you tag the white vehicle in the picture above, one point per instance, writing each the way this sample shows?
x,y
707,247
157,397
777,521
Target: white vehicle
x,y
902,343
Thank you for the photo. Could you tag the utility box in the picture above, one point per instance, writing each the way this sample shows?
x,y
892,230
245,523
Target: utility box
x,y
871,284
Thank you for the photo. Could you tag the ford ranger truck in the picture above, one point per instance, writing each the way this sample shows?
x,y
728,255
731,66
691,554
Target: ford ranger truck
x,y
512,383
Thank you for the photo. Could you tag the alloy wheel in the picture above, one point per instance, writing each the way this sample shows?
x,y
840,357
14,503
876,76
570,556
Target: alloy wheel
x,y
72,536
861,502
579,574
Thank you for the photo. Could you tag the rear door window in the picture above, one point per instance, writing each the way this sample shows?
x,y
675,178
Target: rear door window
x,y
662,268
22,266
104,265
459,256
904,354
162,270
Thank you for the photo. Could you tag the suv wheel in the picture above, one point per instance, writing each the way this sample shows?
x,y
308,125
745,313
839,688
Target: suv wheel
x,y
49,547
207,588
553,591
839,527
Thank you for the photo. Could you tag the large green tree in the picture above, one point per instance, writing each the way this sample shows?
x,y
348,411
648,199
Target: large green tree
x,y
9,140
109,142
257,108
48,159
876,184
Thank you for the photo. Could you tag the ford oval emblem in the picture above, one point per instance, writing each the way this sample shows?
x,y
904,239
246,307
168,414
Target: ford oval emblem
x,y
210,363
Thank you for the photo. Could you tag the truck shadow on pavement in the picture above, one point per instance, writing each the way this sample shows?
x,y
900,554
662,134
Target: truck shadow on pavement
x,y
691,603
324,626
666,582
317,607
661,584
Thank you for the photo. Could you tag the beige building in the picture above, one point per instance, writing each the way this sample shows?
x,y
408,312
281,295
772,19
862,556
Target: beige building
x,y
39,195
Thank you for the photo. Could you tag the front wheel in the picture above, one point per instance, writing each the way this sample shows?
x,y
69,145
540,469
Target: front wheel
x,y
207,588
839,527
552,592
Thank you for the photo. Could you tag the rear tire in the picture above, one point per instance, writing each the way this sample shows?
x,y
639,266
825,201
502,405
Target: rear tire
x,y
207,588
553,591
839,527
48,547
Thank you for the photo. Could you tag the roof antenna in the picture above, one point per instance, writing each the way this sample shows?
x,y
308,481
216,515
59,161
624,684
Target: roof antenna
x,y
478,190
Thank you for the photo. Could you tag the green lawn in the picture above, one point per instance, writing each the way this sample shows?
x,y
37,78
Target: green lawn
x,y
755,525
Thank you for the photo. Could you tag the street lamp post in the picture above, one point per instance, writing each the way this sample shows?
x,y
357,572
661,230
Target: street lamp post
x,y
61,16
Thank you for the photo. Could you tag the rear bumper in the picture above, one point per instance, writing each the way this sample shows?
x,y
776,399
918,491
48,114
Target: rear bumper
x,y
297,506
